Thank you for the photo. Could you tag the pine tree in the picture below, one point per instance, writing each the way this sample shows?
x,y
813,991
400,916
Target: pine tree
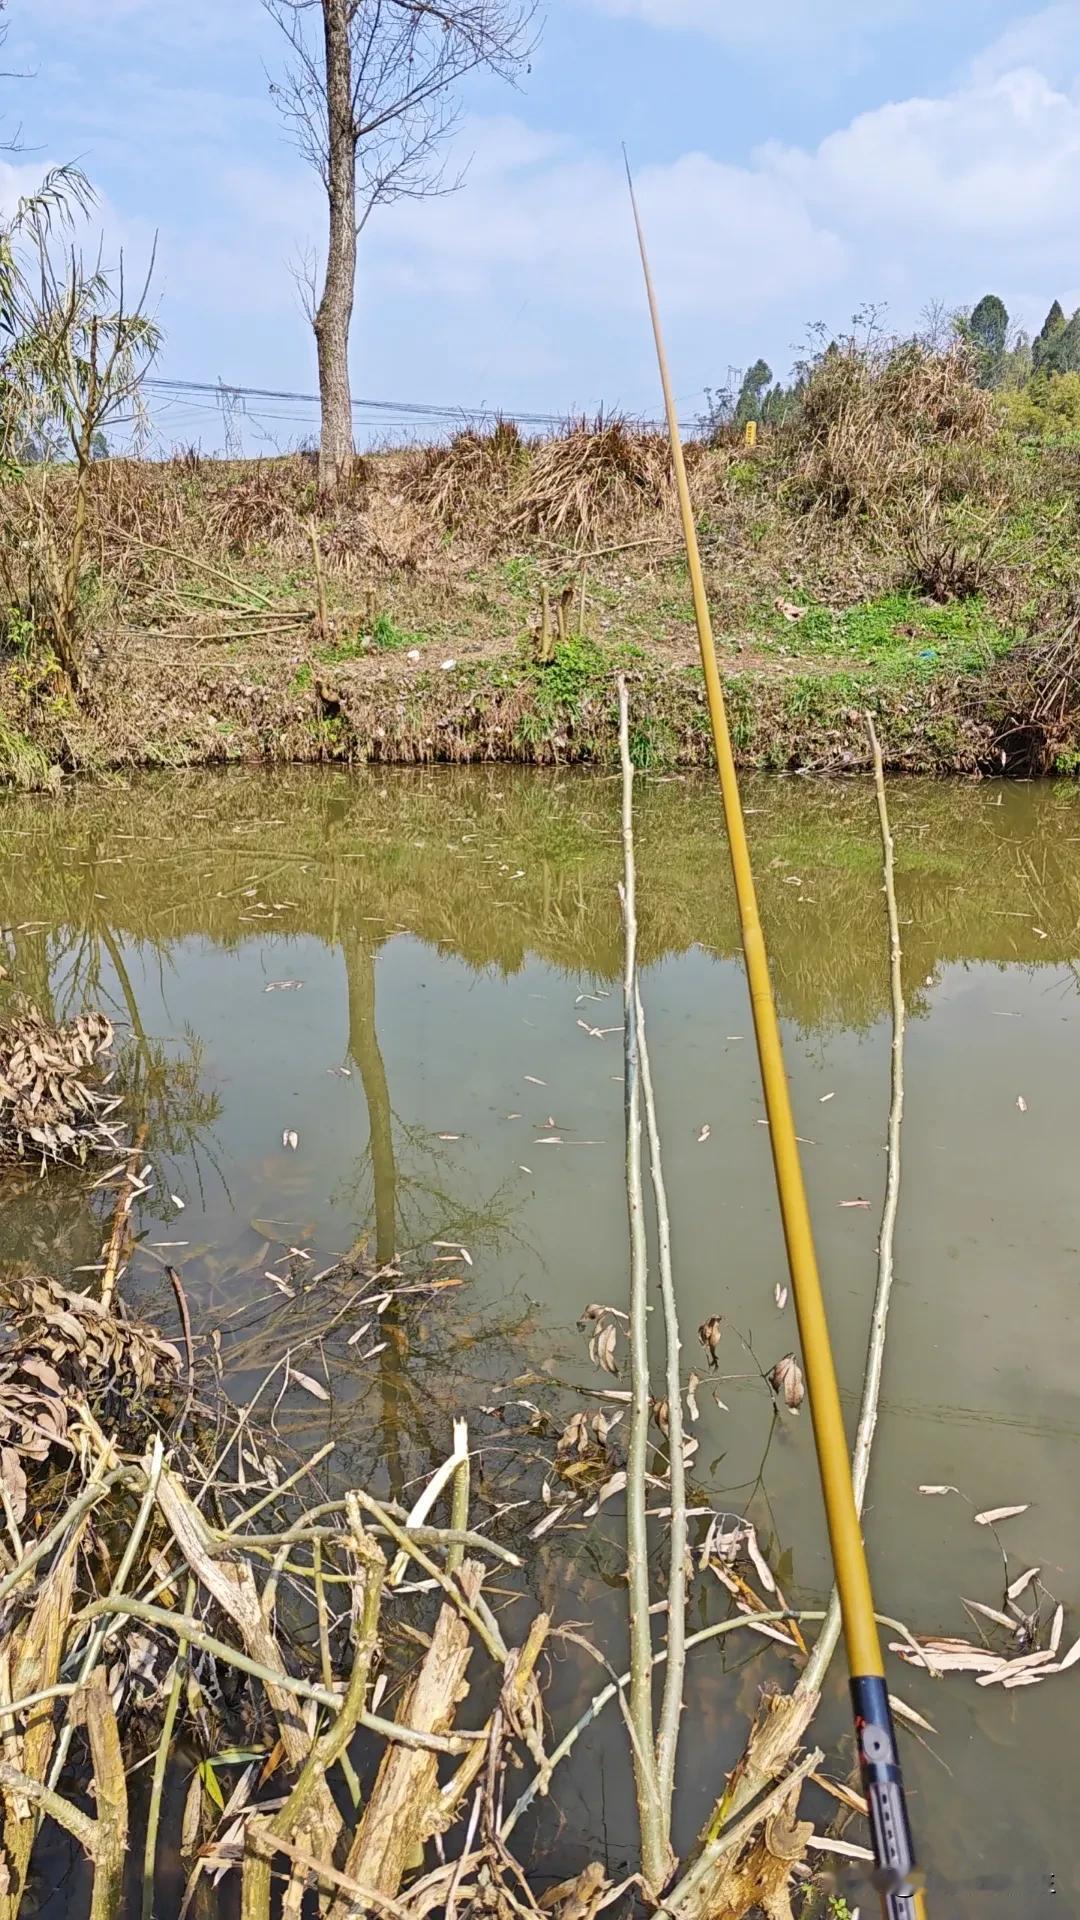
x,y
1052,327
751,393
988,330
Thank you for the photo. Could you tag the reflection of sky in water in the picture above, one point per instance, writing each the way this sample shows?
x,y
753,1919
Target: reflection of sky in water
x,y
452,980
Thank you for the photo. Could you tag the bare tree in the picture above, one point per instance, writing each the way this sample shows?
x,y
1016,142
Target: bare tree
x,y
371,98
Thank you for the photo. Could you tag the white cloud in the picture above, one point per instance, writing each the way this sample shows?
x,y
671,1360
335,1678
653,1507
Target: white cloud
x,y
986,174
525,286
559,221
1049,41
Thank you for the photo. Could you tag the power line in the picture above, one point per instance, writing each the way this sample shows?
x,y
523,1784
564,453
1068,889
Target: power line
x,y
409,408
233,396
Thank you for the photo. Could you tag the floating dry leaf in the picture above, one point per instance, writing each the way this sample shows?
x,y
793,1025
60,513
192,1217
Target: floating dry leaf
x,y
1021,1103
1023,1580
453,1245
610,1487
692,1386
314,1387
826,1096
290,1139
704,1134
602,1347
780,1296
761,1565
951,1659
939,1489
994,1514
709,1334
1010,1668
904,1712
1056,1626
1069,1659
283,986
854,1203
990,1613
786,1378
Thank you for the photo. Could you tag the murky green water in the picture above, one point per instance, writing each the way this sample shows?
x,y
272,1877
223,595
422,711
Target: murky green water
x,y
458,943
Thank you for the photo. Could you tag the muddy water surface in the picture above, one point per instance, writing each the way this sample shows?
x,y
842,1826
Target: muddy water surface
x,y
443,951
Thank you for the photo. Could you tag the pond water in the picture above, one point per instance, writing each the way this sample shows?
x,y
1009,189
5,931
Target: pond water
x,y
444,949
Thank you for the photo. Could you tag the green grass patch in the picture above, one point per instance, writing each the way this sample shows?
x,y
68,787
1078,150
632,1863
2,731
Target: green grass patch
x,y
898,634
22,762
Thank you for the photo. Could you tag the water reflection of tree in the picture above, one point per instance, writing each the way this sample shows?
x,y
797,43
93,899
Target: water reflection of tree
x,y
410,1208
366,1055
80,962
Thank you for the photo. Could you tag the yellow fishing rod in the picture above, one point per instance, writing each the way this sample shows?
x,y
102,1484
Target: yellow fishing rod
x,y
896,1878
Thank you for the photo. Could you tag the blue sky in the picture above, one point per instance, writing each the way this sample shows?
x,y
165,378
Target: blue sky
x,y
795,158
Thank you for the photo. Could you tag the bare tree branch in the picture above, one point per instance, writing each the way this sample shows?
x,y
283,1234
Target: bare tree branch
x,y
371,97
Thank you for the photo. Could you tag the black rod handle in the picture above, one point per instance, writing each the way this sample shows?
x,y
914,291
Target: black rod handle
x,y
896,1877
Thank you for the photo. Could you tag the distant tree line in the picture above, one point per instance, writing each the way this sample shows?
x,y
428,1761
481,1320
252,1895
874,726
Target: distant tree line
x,y
1038,378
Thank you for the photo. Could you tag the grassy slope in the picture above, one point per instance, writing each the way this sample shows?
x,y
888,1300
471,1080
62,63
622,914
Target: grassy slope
x,y
204,644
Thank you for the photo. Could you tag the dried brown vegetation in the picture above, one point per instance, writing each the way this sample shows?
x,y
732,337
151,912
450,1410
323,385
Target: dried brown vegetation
x,y
55,1103
203,608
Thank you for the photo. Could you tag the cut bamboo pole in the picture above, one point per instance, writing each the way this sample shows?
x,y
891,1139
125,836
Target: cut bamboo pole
x,y
654,1849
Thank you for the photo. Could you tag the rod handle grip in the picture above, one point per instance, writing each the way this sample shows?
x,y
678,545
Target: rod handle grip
x,y
896,1877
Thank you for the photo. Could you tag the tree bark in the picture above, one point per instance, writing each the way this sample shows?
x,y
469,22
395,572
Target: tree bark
x,y
333,316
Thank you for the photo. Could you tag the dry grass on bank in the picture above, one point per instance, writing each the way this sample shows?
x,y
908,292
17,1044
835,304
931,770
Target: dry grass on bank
x,y
218,597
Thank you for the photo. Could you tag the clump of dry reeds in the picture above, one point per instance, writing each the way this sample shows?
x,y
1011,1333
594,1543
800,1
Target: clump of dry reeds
x,y
595,481
873,424
470,480
592,481
55,1104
